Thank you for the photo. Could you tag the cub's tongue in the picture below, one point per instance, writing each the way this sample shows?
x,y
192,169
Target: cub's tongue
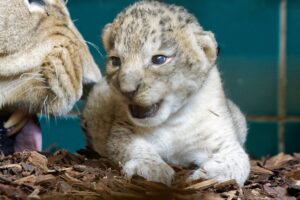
x,y
29,137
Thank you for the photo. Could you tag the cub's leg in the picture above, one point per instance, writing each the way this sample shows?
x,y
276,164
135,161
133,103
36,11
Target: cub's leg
x,y
239,122
137,156
231,162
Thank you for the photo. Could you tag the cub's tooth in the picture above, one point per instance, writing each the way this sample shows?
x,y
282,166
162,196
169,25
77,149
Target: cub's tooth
x,y
15,129
15,119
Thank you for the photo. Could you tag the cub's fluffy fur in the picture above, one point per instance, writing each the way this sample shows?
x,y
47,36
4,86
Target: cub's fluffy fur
x,y
153,110
44,60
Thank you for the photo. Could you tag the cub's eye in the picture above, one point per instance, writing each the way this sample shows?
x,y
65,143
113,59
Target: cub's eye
x,y
39,2
115,61
159,59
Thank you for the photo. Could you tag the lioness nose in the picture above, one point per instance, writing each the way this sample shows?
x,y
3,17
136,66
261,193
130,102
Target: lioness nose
x,y
87,87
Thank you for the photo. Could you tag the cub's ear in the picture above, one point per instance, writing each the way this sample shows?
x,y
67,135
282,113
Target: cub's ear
x,y
208,43
106,37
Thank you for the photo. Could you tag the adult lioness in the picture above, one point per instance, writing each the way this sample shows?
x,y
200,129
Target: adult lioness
x,y
44,63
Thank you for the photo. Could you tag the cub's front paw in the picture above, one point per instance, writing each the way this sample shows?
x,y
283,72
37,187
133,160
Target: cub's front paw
x,y
211,169
223,171
157,171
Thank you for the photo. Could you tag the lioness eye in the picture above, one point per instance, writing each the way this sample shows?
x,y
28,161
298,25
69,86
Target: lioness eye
x,y
39,2
115,61
159,59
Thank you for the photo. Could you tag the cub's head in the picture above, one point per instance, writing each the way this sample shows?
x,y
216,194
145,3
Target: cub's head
x,y
44,61
159,56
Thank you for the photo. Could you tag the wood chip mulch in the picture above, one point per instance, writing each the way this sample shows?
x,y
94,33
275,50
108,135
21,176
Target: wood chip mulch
x,y
63,175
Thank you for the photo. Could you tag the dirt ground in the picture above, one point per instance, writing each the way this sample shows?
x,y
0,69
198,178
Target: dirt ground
x,y
62,175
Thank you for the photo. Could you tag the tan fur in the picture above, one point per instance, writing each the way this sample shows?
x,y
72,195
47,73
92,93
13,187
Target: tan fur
x,y
145,115
44,61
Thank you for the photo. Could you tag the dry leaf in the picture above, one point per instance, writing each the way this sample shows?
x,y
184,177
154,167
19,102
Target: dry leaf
x,y
278,161
260,170
202,185
38,160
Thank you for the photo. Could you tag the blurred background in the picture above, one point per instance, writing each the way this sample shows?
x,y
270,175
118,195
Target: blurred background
x,y
259,63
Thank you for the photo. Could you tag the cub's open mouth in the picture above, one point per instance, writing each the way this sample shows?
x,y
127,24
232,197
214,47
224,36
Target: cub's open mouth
x,y
141,112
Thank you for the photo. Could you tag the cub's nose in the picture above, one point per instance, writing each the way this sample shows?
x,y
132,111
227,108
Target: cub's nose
x,y
130,94
129,83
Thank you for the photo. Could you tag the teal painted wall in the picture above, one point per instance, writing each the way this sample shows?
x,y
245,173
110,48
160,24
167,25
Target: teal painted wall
x,y
248,34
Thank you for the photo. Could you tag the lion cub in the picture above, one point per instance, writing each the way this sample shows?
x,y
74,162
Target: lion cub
x,y
162,100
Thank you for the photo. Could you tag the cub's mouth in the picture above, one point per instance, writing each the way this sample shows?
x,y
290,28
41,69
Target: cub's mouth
x,y
141,112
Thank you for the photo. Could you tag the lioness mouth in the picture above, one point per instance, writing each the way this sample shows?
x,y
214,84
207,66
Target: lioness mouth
x,y
141,112
19,131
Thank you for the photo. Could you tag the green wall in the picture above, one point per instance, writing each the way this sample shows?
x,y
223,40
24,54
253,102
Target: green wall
x,y
248,34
